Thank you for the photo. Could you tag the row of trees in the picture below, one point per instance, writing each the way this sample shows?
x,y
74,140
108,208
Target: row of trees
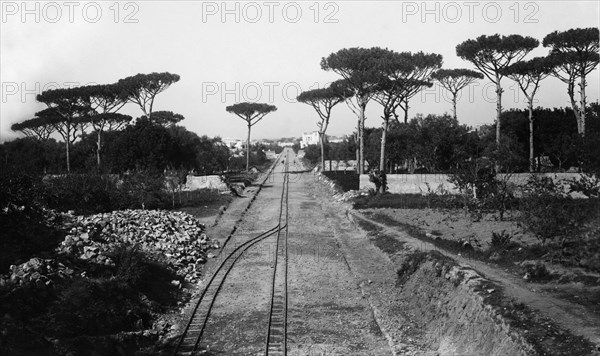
x,y
142,146
71,112
88,120
393,78
440,144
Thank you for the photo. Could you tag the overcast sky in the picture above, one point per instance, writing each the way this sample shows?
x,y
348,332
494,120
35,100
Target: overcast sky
x,y
264,51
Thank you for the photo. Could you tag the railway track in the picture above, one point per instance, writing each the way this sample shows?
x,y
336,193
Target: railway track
x,y
276,343
190,341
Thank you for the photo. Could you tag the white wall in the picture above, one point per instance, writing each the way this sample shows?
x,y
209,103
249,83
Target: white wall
x,y
205,182
421,183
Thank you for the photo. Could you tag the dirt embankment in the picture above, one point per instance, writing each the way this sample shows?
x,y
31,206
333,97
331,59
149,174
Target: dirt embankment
x,y
452,314
458,312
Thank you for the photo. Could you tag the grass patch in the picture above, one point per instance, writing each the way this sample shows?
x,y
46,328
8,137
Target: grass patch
x,y
393,201
409,201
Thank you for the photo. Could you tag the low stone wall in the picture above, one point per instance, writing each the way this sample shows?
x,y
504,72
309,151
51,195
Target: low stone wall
x,y
205,182
424,183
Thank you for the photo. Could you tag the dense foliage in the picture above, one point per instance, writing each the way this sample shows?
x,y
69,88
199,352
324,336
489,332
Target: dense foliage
x,y
146,145
440,144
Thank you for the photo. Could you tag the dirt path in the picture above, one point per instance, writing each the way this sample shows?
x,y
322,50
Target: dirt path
x,y
570,316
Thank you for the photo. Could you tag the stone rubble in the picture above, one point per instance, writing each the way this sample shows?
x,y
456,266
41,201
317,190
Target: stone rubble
x,y
178,237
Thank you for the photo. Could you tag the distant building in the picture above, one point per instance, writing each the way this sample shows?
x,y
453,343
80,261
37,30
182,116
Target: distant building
x,y
309,138
285,144
234,143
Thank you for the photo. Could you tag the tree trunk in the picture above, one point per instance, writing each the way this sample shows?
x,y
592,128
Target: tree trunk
x,y
498,110
98,148
382,155
454,105
248,149
321,141
357,154
68,149
383,139
582,86
361,130
571,92
531,156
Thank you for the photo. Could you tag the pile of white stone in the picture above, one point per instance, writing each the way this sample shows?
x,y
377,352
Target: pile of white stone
x,y
349,195
177,237
338,194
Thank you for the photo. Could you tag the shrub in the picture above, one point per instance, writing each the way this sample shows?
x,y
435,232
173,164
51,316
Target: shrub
x,y
549,213
25,227
146,189
537,272
83,193
483,189
501,239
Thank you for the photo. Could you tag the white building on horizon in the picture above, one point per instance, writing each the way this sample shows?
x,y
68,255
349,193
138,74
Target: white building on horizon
x,y
285,143
309,138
